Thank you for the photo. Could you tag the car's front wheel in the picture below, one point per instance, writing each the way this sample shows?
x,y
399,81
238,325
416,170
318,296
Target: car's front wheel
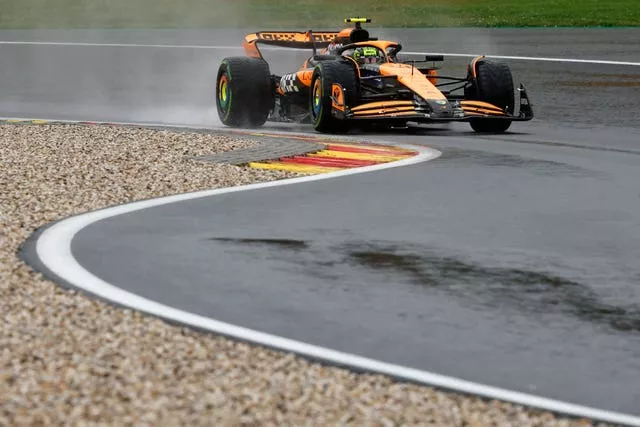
x,y
325,74
493,83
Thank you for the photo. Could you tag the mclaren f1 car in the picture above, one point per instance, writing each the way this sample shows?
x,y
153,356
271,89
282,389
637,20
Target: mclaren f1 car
x,y
351,79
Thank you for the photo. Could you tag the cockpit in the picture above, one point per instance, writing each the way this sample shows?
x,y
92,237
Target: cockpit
x,y
376,53
366,55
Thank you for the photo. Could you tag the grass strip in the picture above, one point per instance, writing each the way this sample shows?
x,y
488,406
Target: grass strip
x,y
62,14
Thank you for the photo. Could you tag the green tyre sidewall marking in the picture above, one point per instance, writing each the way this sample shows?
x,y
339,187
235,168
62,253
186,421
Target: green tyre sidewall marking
x,y
227,72
317,109
319,80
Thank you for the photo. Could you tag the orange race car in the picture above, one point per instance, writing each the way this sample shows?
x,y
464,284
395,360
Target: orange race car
x,y
352,78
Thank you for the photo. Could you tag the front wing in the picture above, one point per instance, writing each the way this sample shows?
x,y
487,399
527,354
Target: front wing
x,y
408,110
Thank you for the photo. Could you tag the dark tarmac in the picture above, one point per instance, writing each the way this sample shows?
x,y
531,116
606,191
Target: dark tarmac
x,y
511,260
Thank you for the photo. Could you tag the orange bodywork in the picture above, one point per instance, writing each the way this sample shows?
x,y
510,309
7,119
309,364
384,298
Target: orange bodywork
x,y
305,76
250,47
408,76
432,76
473,65
412,79
481,108
288,39
384,109
337,97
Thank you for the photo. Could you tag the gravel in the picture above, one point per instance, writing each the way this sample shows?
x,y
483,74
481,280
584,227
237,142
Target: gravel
x,y
68,359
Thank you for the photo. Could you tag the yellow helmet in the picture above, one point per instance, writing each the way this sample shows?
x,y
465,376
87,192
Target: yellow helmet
x,y
368,55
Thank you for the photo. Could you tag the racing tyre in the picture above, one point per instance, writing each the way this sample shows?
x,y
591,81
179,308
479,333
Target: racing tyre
x,y
244,94
325,74
493,84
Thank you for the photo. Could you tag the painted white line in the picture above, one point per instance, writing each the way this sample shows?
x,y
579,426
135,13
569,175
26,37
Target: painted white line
x,y
239,47
53,247
159,46
531,58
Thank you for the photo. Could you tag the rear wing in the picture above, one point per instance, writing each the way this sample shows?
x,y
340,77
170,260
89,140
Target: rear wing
x,y
291,39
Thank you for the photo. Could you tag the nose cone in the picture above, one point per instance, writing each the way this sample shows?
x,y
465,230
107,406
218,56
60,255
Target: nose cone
x,y
440,108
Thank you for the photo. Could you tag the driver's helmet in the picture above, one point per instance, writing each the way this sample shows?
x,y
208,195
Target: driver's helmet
x,y
368,55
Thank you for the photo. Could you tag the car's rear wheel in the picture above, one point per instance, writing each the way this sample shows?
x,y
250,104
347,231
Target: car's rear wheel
x,y
244,95
325,74
493,83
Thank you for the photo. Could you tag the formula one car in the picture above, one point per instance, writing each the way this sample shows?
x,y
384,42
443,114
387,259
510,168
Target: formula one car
x,y
352,78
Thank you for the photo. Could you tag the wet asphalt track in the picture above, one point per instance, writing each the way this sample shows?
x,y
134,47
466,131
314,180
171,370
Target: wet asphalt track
x,y
511,260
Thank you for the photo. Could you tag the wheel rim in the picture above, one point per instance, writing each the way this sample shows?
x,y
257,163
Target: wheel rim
x,y
224,95
316,98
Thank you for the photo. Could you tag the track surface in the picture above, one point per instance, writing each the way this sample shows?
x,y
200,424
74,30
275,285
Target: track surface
x,y
510,261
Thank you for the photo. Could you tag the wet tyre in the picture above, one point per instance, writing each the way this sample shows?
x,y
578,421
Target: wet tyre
x,y
493,84
325,74
244,95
